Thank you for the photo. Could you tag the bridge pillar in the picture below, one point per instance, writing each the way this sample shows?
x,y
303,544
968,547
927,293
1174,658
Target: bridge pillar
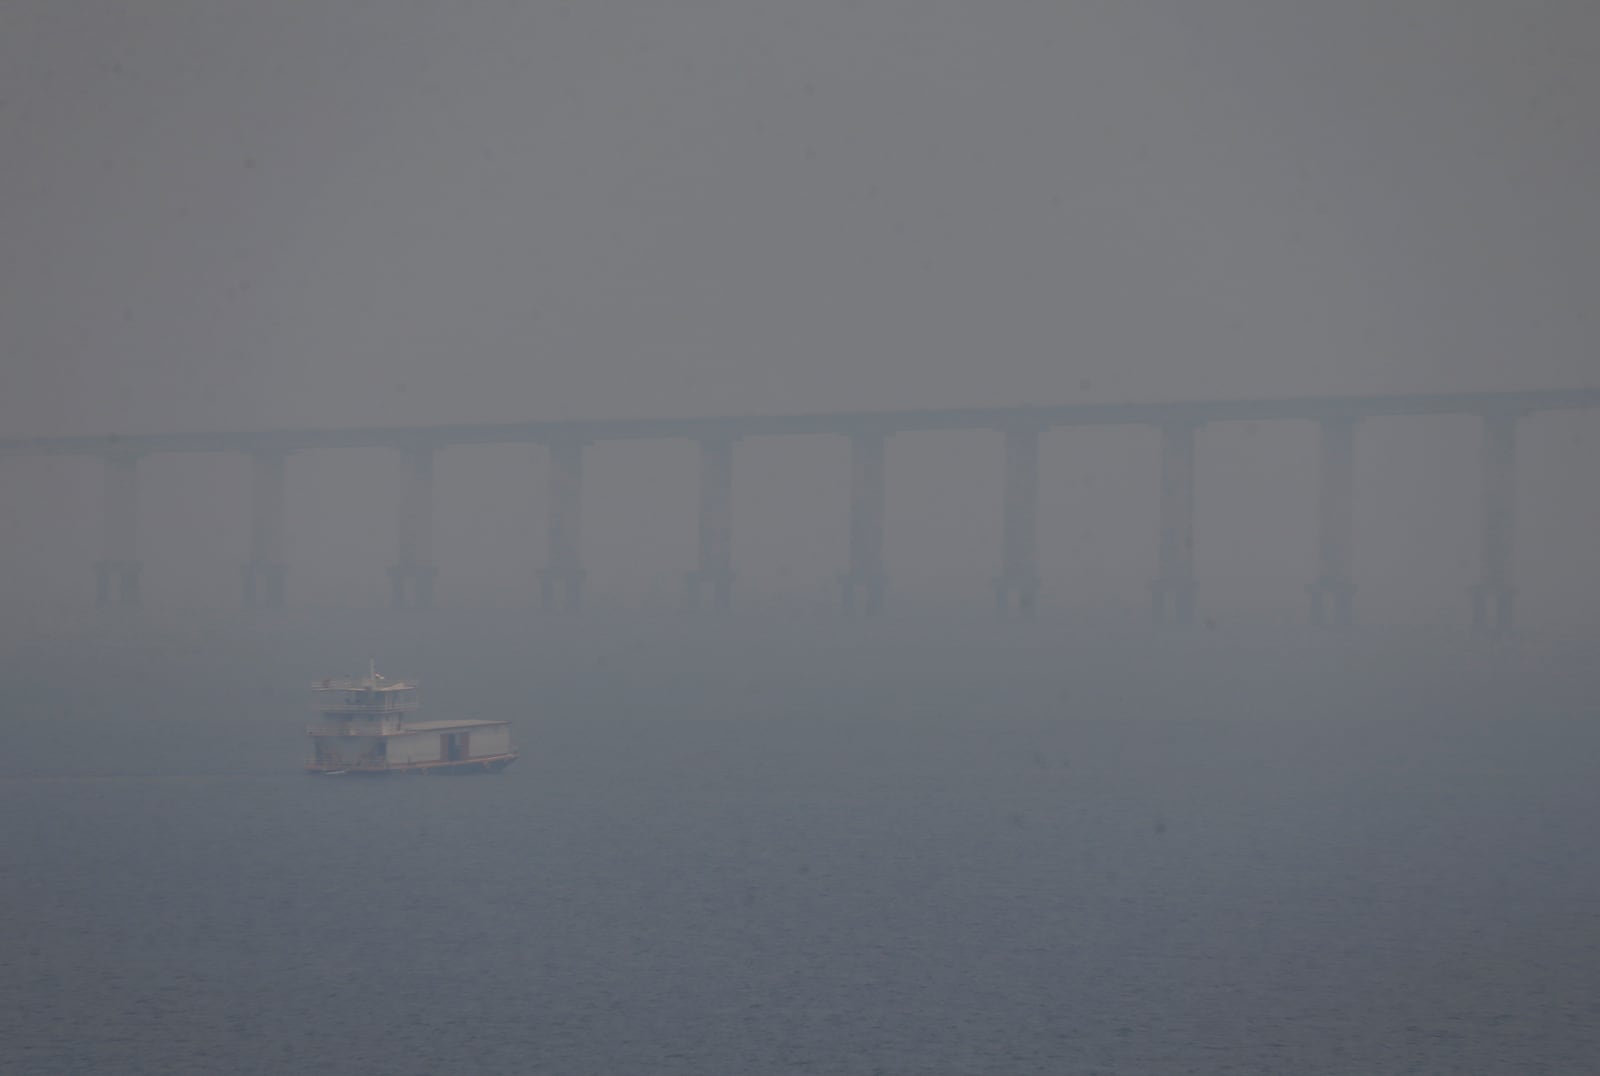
x,y
1019,568
264,573
1493,596
864,584
562,577
117,572
412,577
1333,591
1172,592
715,568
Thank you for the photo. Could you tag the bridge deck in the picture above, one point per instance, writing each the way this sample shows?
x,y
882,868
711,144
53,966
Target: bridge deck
x,y
843,422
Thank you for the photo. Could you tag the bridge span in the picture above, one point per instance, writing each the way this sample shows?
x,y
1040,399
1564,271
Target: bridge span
x,y
1016,584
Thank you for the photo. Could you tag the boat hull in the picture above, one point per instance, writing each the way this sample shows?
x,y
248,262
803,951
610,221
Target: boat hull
x,y
468,767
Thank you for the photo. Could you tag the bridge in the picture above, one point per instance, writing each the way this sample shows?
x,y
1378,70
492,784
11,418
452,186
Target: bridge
x,y
863,584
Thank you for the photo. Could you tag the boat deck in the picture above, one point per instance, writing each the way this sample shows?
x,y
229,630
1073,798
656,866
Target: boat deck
x,y
402,730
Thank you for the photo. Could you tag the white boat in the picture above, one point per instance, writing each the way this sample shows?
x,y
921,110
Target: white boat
x,y
366,727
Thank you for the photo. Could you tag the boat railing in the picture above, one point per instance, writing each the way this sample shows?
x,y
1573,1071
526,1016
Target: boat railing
x,y
354,730
382,706
364,683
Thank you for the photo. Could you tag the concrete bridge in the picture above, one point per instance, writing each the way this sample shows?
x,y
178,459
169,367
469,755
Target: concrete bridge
x,y
862,585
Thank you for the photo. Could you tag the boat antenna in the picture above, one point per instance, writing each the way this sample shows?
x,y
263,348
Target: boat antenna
x,y
372,670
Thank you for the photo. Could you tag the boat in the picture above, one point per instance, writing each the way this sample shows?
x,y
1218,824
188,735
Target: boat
x,y
367,727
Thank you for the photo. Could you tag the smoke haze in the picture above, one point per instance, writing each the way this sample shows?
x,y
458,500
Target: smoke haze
x,y
780,838
229,216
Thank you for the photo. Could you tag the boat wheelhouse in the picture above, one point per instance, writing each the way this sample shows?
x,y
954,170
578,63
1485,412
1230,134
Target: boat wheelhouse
x,y
367,726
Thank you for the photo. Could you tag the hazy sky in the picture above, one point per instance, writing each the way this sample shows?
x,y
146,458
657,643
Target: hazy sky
x,y
224,214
